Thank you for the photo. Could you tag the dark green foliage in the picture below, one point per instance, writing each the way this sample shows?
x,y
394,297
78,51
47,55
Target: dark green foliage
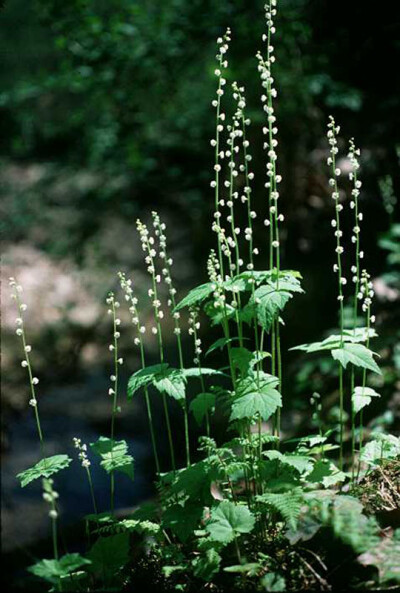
x,y
108,556
63,569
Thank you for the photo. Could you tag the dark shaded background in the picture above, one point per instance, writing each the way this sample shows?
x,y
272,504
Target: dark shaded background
x,y
105,109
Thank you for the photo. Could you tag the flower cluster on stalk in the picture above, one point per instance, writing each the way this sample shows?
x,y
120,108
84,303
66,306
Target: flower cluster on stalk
x,y
194,327
126,285
242,121
223,46
20,331
333,130
353,156
213,270
365,295
82,448
148,247
159,231
113,305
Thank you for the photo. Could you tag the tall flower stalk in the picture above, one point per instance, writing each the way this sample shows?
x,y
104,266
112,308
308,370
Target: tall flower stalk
x,y
353,155
159,231
365,295
126,285
114,377
333,130
26,361
148,243
273,179
223,46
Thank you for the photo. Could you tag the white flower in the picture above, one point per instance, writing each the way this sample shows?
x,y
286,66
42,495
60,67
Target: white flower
x,y
35,381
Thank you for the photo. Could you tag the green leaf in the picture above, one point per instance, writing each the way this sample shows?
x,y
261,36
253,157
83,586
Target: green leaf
x,y
279,476
325,472
236,284
193,481
361,334
207,565
220,344
301,463
228,520
256,397
114,456
196,372
144,377
172,382
202,404
250,569
109,555
168,571
183,520
241,359
385,446
219,315
358,355
244,360
44,469
273,581
269,301
53,570
196,295
288,504
362,397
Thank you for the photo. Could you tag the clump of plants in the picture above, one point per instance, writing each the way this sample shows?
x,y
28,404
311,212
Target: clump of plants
x,y
256,512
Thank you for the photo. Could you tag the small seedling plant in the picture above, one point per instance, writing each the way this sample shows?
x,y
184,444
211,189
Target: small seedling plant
x,y
238,514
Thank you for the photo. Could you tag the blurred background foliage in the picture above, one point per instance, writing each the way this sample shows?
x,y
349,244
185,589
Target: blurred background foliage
x,y
122,89
106,114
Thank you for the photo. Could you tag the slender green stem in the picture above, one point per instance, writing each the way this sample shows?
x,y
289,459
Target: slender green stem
x,y
89,476
239,557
